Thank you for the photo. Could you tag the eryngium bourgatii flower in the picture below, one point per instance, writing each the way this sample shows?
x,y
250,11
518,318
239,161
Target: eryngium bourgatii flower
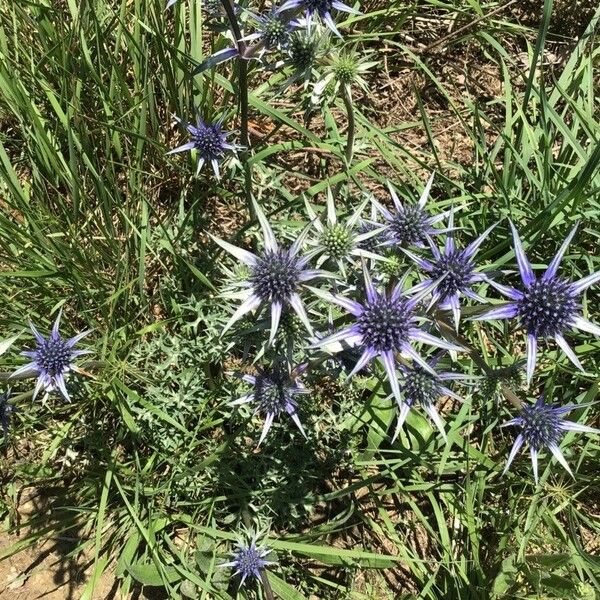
x,y
322,8
410,225
455,271
340,242
248,560
277,275
547,306
383,325
274,393
52,359
209,141
424,388
273,30
543,426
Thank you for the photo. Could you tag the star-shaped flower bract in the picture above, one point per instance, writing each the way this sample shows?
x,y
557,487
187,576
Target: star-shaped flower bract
x,y
274,393
322,8
455,271
383,325
546,306
543,426
424,388
52,359
410,225
340,242
209,140
276,277
273,30
248,560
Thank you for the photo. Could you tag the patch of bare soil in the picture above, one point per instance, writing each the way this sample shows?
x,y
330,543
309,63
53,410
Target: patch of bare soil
x,y
47,570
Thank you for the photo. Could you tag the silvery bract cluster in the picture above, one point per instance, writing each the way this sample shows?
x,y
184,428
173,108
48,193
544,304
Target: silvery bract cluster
x,y
52,359
248,559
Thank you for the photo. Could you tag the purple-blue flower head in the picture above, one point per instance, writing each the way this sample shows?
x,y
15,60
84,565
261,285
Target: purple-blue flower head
x,y
543,426
546,306
209,141
274,30
455,271
384,324
248,560
410,225
277,276
52,359
274,393
322,8
424,388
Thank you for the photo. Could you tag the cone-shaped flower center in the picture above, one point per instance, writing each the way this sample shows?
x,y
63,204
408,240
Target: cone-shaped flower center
x,y
547,307
249,562
541,425
275,32
346,69
337,241
53,356
274,392
385,324
457,270
302,51
420,388
275,276
209,140
408,225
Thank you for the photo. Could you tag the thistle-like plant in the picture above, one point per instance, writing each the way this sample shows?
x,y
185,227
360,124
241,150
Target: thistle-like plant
x,y
322,8
547,306
273,31
455,271
274,393
277,276
543,426
52,359
410,225
302,54
248,559
386,323
424,388
339,242
343,70
209,141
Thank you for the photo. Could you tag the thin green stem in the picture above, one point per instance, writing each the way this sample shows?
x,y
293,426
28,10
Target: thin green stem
x,y
242,73
350,134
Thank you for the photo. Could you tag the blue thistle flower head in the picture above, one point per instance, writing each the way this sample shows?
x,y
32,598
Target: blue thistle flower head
x,y
543,426
321,8
419,387
337,241
274,393
277,276
52,359
248,560
455,270
547,306
274,30
385,324
209,141
410,225
6,410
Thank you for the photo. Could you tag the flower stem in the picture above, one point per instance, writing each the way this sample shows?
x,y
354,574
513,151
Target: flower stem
x,y
243,94
350,134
